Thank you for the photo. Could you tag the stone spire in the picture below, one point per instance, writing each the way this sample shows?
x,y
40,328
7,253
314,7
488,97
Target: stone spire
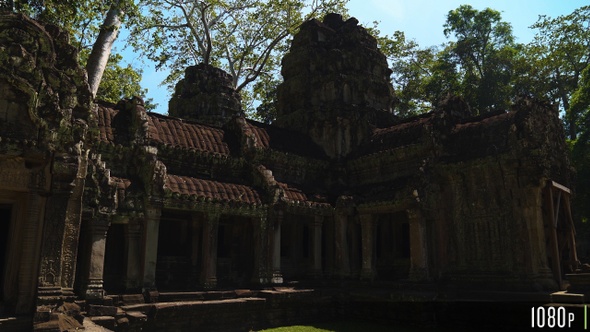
x,y
336,84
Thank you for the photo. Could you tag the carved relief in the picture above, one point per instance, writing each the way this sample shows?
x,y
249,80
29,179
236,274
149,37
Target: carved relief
x,y
14,175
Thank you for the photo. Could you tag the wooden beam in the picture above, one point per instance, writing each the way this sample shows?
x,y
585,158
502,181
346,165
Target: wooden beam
x,y
556,265
561,187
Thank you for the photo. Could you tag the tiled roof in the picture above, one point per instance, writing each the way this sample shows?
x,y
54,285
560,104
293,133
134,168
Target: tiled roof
x,y
186,134
291,193
211,190
297,196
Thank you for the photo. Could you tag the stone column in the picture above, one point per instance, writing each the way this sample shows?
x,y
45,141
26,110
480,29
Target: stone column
x,y
277,276
316,246
93,285
418,246
31,247
341,245
368,244
261,260
196,246
209,269
150,249
56,221
133,255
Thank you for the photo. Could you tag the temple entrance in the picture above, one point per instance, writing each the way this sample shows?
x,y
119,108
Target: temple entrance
x,y
392,246
114,260
235,251
178,240
5,220
295,247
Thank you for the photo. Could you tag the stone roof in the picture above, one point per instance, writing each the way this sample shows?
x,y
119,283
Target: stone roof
x,y
115,128
297,196
210,190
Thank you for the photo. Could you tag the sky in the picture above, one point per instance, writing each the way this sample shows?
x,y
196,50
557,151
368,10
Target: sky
x,y
420,20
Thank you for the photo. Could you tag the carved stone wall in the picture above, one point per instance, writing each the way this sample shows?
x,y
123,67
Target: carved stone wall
x,y
44,123
336,85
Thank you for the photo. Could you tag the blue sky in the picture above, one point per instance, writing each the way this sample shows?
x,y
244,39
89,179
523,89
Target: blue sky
x,y
421,20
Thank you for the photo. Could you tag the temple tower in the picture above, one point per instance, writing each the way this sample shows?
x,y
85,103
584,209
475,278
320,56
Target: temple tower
x,y
336,85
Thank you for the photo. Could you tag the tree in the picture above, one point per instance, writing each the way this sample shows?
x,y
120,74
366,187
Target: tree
x,y
563,48
245,38
484,51
91,25
119,82
412,67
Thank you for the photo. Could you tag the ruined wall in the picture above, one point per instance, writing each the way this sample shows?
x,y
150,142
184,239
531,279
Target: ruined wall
x,y
44,122
336,85
487,198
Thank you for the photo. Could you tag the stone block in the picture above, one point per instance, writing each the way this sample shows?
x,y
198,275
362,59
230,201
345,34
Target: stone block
x,y
108,322
244,293
129,299
101,310
135,318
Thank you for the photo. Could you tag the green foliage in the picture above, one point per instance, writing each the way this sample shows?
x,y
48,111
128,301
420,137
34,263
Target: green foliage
x,y
480,64
484,52
562,51
412,68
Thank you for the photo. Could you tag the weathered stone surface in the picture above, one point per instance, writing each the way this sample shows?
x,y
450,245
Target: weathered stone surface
x,y
107,322
101,310
332,91
205,94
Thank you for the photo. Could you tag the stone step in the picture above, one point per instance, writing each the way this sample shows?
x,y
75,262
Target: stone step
x,y
201,296
565,297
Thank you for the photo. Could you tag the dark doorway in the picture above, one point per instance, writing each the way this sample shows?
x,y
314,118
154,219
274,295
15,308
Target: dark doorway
x,y
5,218
114,260
392,246
235,251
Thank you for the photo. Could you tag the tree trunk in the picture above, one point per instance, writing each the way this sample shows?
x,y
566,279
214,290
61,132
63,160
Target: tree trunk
x,y
570,118
101,50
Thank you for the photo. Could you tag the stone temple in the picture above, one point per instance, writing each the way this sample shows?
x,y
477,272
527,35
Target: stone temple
x,y
207,220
